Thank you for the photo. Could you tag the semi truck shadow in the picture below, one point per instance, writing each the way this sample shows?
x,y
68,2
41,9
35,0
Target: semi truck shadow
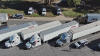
x,y
22,46
52,42
93,45
2,44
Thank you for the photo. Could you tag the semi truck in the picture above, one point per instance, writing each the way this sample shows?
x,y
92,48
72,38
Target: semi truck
x,y
6,33
44,36
16,39
28,33
89,17
78,32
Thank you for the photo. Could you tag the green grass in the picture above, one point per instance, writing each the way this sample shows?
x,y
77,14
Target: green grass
x,y
13,11
70,12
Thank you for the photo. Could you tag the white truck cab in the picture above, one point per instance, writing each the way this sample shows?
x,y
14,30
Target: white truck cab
x,y
33,42
58,11
43,11
62,39
30,10
13,41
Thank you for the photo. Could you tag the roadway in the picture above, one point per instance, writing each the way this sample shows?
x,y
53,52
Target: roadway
x,y
51,49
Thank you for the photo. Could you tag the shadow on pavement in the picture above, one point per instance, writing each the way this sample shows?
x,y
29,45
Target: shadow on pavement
x,y
52,42
93,45
2,44
22,46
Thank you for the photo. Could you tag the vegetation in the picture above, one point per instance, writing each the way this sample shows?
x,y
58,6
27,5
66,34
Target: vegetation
x,y
12,7
73,2
69,12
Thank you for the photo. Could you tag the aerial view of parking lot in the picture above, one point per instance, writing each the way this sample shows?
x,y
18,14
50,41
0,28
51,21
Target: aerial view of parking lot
x,y
49,28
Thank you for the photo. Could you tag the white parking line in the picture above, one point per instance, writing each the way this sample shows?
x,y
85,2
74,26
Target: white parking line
x,y
91,47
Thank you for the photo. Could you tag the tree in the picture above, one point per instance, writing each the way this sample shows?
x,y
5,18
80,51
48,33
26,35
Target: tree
x,y
70,3
76,2
48,1
73,2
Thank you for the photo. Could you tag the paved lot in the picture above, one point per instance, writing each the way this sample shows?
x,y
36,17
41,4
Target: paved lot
x,y
51,49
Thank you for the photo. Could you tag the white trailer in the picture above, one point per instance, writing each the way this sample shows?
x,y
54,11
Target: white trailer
x,y
92,17
16,40
78,32
28,33
3,17
6,33
56,31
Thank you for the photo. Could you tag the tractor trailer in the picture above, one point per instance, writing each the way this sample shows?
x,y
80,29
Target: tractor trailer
x,y
6,33
28,33
78,32
49,34
15,39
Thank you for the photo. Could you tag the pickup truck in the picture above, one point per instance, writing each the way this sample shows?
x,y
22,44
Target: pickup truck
x,y
20,16
81,43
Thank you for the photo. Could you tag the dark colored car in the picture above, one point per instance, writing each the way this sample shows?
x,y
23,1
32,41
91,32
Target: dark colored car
x,y
20,16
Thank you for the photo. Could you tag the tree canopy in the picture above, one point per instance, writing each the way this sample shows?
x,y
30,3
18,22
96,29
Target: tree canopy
x,y
73,2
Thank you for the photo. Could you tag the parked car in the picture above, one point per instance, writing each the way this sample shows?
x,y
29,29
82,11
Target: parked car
x,y
58,11
81,43
20,16
30,10
43,11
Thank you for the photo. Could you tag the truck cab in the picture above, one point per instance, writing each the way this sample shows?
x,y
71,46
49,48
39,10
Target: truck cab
x,y
30,10
43,11
33,42
63,39
13,41
58,11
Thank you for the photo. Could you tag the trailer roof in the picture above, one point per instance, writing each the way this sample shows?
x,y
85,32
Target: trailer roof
x,y
58,27
17,27
93,14
84,27
41,27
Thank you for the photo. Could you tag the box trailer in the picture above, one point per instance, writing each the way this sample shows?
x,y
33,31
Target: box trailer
x,y
28,33
56,31
6,33
3,17
25,34
92,17
78,32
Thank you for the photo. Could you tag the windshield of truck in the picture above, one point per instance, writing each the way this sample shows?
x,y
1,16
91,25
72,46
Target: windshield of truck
x,y
33,43
59,10
11,41
29,10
